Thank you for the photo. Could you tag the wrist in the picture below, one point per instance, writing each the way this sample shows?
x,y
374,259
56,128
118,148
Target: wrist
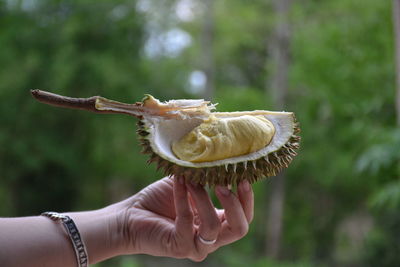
x,y
100,232
124,219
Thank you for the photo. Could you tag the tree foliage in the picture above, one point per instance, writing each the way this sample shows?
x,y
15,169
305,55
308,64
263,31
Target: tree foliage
x,y
342,88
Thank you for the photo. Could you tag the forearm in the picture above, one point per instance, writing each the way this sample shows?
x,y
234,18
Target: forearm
x,y
34,241
39,241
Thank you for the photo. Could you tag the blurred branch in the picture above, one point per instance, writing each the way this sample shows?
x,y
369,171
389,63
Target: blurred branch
x,y
396,21
279,50
280,55
207,42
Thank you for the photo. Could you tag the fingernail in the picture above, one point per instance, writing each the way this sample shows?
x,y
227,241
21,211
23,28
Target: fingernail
x,y
246,185
223,190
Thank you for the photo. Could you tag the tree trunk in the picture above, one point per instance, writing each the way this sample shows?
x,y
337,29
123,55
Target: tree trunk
x,y
278,88
207,41
396,22
275,215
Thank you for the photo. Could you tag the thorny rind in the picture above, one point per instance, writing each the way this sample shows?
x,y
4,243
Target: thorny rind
x,y
227,174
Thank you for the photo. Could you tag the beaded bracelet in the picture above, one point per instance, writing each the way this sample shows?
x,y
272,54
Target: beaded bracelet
x,y
73,233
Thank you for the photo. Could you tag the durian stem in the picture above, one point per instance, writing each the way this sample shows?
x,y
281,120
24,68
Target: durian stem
x,y
96,104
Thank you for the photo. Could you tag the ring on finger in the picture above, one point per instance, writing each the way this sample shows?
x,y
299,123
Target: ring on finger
x,y
205,241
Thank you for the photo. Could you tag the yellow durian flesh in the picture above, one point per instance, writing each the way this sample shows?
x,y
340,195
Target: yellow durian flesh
x,y
163,123
221,138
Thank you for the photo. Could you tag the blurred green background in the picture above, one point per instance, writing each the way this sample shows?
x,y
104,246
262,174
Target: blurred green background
x,y
340,197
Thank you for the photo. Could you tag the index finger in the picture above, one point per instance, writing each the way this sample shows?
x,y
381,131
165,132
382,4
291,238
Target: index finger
x,y
246,198
184,214
236,222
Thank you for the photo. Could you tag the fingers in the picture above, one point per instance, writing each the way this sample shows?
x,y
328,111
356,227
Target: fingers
x,y
246,198
210,224
237,220
225,226
184,215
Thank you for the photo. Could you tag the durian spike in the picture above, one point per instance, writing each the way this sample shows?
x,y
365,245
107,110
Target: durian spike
x,y
148,107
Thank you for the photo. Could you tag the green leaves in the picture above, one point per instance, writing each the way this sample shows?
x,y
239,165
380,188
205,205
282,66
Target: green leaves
x,y
76,49
341,90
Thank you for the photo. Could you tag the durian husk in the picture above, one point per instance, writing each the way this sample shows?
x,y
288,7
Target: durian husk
x,y
174,114
223,172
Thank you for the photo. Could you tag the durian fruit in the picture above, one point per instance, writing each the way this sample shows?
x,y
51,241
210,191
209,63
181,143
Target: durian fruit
x,y
187,138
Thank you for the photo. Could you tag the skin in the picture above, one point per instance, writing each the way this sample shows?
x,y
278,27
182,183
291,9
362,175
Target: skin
x,y
164,219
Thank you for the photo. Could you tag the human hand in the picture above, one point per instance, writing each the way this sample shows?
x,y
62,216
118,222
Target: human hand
x,y
170,217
